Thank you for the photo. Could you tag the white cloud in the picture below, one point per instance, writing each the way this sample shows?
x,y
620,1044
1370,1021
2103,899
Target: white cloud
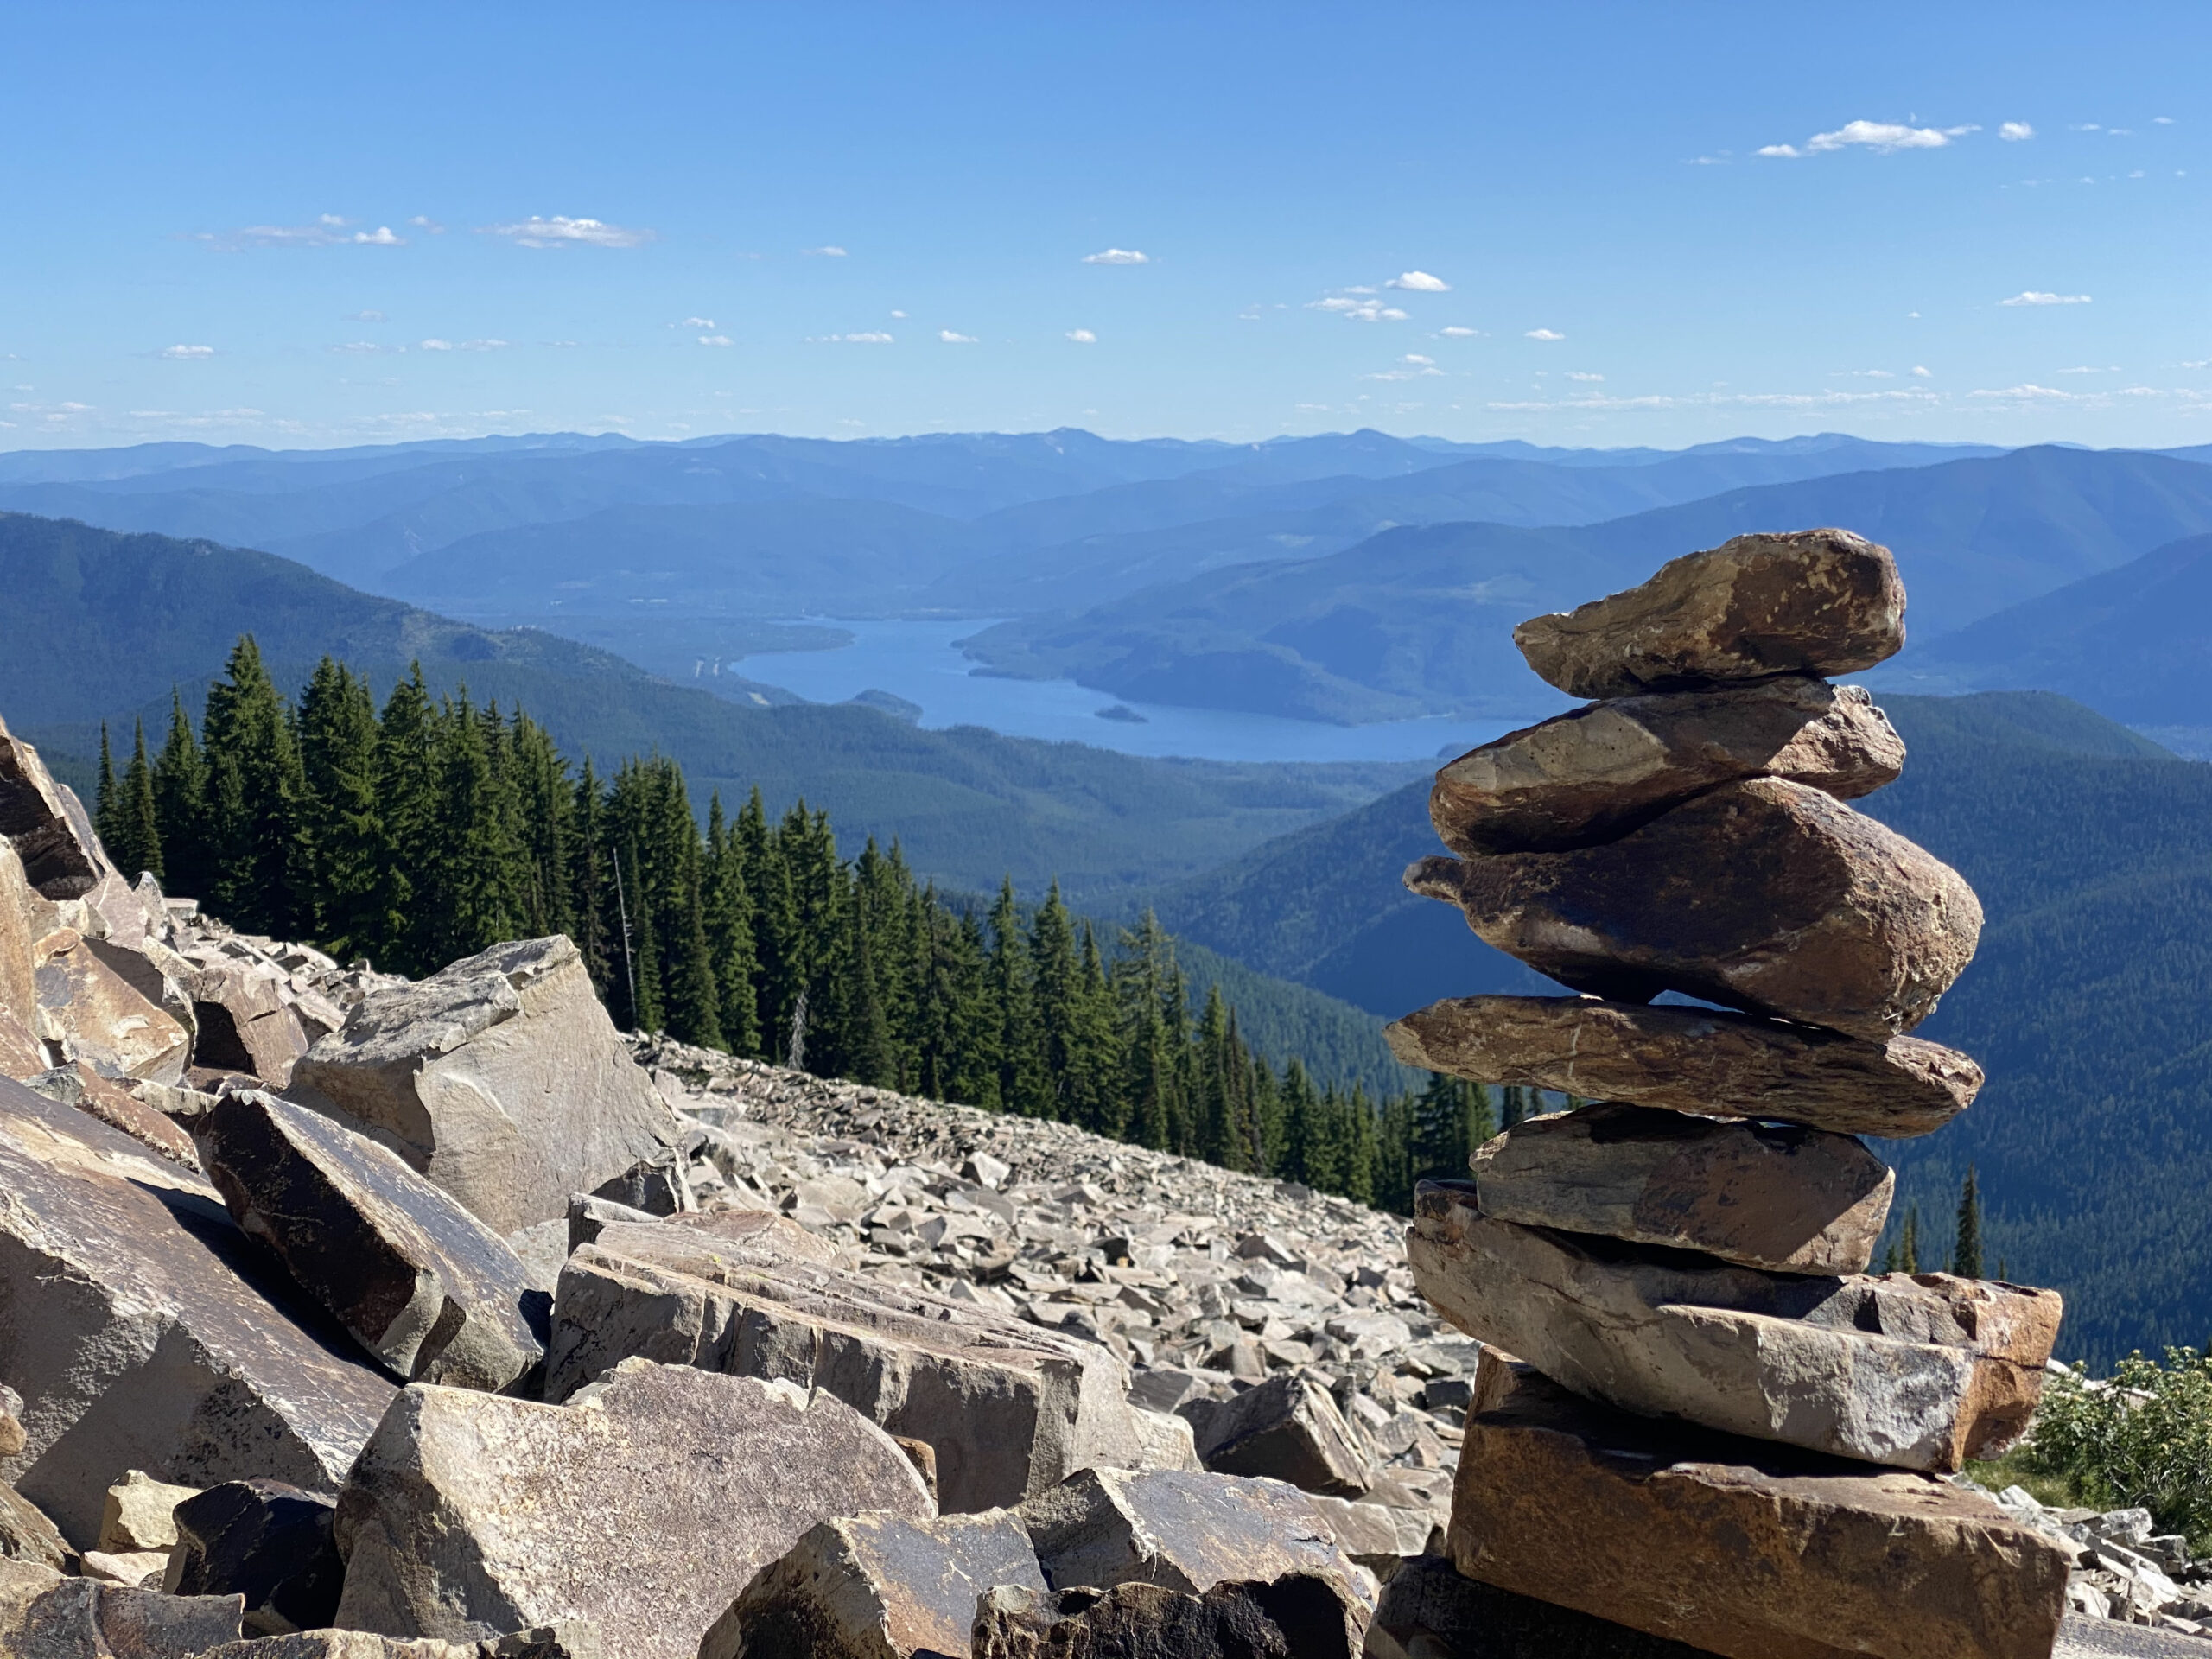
x,y
1419,281
329,230
2162,120
362,348
365,316
695,322
1544,333
2013,132
562,232
2028,391
1455,332
827,250
1411,366
2036,296
1359,310
952,338
864,337
900,315
1576,374
188,354
1117,256
1083,336
716,340
1921,373
2200,363
1788,152
1881,136
428,226
463,345
2091,368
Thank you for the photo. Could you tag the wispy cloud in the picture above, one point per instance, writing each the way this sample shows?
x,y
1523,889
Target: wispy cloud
x,y
715,340
2036,296
1921,372
694,322
1411,366
1455,332
1881,136
2091,368
1419,281
1545,335
1577,374
2028,391
1083,336
827,250
1357,309
426,226
187,353
863,337
562,232
330,230
952,339
2014,132
463,345
362,348
1117,256
365,316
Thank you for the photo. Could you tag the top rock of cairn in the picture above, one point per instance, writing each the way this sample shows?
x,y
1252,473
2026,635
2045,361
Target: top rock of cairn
x,y
1663,1254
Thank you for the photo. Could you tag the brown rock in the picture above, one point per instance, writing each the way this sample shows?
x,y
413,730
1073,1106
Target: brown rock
x,y
1430,1608
1307,1618
1737,1548
145,1331
92,1012
271,1543
45,1616
1692,1061
77,1084
1185,1531
646,1509
500,1078
1813,601
25,918
141,1514
1785,1198
877,1587
1286,1428
1765,895
45,825
21,1055
27,1536
1599,773
246,1024
1920,1372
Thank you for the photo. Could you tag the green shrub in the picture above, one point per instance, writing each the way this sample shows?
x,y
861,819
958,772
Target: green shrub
x,y
2144,1438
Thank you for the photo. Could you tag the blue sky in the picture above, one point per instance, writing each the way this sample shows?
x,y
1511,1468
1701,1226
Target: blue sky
x,y
309,226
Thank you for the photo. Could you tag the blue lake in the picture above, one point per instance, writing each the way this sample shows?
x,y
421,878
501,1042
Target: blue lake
x,y
919,662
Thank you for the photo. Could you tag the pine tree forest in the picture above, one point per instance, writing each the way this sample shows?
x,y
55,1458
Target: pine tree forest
x,y
433,828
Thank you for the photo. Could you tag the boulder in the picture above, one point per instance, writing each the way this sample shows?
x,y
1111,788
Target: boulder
x,y
420,1282
45,1616
1762,1195
1295,1617
91,1013
573,1639
135,1570
267,1542
500,1078
1813,601
46,824
1919,1372
246,1021
22,1054
877,1587
140,1514
25,918
1429,1608
590,1215
77,1084
655,1184
27,1536
144,1330
1693,1060
1182,1531
1765,895
1009,1408
1286,1428
646,1508
1599,773
1737,1548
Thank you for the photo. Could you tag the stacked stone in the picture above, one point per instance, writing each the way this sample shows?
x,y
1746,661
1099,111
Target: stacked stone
x,y
1716,1427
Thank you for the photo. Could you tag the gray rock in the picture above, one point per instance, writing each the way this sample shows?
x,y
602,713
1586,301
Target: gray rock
x,y
877,1587
1009,1408
1428,1608
77,1084
1735,1547
25,918
571,1639
266,1542
1286,1428
1813,601
1693,1060
1295,1618
45,825
86,1011
590,1215
646,1508
500,1078
655,1186
140,1514
420,1282
246,1020
25,1535
1920,1373
143,1330
1599,773
45,1616
1183,1531
1765,895
1779,1196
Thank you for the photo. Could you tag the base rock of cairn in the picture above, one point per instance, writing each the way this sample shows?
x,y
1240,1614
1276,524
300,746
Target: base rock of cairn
x,y
1719,1426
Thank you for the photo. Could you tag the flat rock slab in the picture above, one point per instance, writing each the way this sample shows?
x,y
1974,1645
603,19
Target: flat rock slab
x,y
877,1587
1918,1372
45,825
1295,1618
2106,1638
1761,1195
1812,601
77,1084
1430,1608
89,1012
1181,1530
144,1330
1765,895
420,1283
25,1535
25,918
1009,1408
500,1078
1740,1548
45,1616
1599,773
1693,1060
646,1510
1286,1428
266,1542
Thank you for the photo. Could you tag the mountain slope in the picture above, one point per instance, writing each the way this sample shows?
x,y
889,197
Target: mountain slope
x,y
2085,1003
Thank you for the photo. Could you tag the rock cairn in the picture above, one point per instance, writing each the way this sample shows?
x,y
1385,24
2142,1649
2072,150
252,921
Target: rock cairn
x,y
1701,1417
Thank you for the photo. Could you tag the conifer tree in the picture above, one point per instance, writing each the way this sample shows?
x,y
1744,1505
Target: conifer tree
x,y
1909,1242
106,796
692,1007
181,807
729,933
590,883
1966,1249
1024,1086
254,786
342,838
399,923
